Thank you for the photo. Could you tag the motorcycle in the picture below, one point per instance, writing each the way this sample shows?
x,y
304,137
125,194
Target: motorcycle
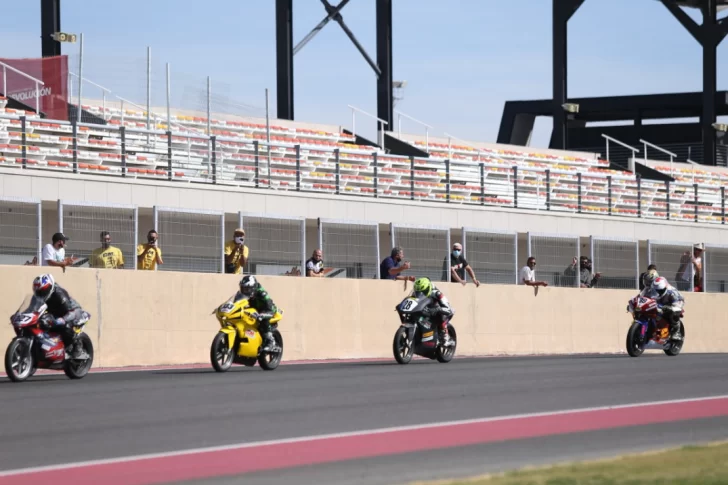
x,y
648,331
417,333
239,340
33,348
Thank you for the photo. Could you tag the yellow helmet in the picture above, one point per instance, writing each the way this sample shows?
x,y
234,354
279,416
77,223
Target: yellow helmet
x,y
423,285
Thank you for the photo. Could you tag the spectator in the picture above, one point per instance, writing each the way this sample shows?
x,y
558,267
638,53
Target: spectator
x,y
107,256
390,268
236,253
527,276
315,265
682,277
458,266
149,255
55,254
586,280
642,276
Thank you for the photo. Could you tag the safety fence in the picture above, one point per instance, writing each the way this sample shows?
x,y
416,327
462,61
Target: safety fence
x,y
674,260
277,245
240,154
350,248
20,231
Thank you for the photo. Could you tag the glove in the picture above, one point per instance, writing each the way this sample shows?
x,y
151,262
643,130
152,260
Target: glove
x,y
45,324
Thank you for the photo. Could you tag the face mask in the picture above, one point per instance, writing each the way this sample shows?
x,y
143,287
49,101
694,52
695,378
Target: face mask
x,y
239,240
456,253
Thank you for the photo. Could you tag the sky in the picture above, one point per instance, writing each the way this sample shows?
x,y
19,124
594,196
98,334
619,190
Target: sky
x,y
462,59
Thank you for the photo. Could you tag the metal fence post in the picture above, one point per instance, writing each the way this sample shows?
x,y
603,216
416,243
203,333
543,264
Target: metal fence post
x,y
515,186
298,168
213,144
548,189
169,155
609,192
74,129
256,156
122,134
667,197
578,193
722,205
695,191
482,183
24,140
447,182
639,195
376,175
338,171
412,178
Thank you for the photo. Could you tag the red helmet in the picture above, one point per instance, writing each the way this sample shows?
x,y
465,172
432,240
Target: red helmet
x,y
43,286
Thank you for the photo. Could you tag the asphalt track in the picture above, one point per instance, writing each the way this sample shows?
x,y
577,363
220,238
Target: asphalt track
x,y
51,420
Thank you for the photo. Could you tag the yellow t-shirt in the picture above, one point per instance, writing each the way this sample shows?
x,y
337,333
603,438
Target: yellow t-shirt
x,y
110,258
237,260
150,257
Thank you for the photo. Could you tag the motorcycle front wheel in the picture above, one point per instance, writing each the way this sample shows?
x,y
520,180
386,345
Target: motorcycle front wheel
x,y
635,342
77,369
445,354
221,355
270,360
676,346
19,364
403,352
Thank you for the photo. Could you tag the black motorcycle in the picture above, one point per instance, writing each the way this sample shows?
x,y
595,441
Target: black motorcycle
x,y
418,334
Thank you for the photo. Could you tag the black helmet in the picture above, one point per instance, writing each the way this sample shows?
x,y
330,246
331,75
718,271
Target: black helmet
x,y
248,285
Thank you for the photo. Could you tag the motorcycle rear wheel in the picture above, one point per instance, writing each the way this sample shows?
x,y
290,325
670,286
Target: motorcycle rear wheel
x,y
221,356
402,353
635,343
19,365
76,369
275,357
677,345
445,354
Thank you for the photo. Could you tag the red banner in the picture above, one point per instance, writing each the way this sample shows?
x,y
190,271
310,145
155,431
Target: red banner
x,y
53,71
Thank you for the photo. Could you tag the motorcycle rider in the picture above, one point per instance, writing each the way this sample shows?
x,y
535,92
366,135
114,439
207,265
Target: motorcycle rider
x,y
65,311
439,308
670,305
259,299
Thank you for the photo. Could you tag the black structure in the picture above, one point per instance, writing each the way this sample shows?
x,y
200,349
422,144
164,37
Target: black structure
x,y
285,52
50,22
570,129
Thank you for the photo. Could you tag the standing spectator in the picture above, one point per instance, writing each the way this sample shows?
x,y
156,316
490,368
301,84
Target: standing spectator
x,y
55,254
652,267
586,280
107,256
458,266
236,253
527,276
682,277
315,265
390,268
149,255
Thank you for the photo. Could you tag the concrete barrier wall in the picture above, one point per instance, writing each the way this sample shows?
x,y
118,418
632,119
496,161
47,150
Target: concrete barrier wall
x,y
165,318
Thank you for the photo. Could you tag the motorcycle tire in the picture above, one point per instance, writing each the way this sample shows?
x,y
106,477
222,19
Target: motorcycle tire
x,y
445,355
13,348
676,346
398,344
275,357
635,344
220,344
75,369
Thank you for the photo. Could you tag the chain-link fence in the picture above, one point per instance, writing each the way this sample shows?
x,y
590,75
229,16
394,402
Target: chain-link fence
x,y
276,244
715,268
20,231
555,254
674,262
492,255
350,248
617,260
190,240
100,235
427,248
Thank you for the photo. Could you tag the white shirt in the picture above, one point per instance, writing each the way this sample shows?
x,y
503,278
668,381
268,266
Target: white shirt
x,y
686,274
526,274
49,252
315,266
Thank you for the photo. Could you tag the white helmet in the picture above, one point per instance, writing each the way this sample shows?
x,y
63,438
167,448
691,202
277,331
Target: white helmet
x,y
248,285
660,285
43,286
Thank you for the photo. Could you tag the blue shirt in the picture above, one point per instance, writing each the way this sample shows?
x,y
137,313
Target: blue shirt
x,y
387,264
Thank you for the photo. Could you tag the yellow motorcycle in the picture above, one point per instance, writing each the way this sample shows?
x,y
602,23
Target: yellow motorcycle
x,y
239,341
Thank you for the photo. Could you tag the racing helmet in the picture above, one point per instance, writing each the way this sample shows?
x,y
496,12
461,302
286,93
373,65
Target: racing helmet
x,y
423,285
43,286
660,285
650,278
248,285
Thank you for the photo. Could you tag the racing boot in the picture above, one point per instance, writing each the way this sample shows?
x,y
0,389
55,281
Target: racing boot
x,y
445,337
675,333
269,342
75,351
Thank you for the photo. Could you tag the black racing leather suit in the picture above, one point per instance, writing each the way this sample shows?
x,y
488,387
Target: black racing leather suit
x,y
65,311
440,308
263,304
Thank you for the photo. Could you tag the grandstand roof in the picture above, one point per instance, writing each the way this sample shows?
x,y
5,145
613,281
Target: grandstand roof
x,y
722,4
